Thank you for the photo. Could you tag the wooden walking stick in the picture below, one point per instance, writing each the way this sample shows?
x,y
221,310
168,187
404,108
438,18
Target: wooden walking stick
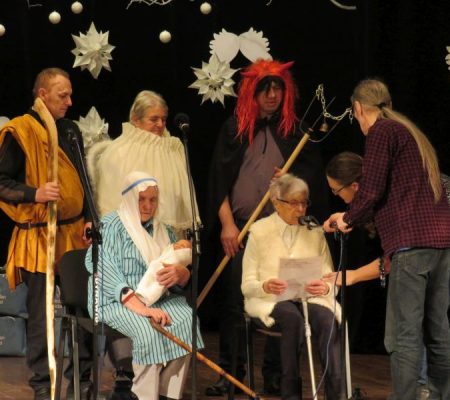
x,y
205,361
52,176
252,218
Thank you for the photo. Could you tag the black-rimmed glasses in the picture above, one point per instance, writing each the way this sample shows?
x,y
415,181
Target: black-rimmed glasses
x,y
336,191
295,203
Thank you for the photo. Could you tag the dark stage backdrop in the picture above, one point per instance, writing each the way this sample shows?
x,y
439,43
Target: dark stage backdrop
x,y
402,41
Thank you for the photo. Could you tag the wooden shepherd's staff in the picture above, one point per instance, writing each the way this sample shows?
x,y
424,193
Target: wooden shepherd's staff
x,y
52,176
252,218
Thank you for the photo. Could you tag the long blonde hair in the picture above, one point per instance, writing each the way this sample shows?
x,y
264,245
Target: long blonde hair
x,y
374,96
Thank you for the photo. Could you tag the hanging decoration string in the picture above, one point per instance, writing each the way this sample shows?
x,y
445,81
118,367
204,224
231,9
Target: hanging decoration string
x,y
320,96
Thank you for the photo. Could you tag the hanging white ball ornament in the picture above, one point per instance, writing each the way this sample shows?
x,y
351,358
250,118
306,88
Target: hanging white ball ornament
x,y
54,17
76,7
2,30
205,8
165,36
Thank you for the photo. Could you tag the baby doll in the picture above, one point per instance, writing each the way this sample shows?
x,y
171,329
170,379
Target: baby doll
x,y
149,290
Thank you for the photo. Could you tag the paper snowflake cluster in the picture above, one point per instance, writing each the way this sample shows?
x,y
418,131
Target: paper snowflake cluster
x,y
93,128
150,2
92,51
214,80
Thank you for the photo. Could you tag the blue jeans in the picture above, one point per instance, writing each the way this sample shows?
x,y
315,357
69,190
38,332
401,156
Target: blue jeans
x,y
418,299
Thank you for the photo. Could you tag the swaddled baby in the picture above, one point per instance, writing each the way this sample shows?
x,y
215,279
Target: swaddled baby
x,y
149,290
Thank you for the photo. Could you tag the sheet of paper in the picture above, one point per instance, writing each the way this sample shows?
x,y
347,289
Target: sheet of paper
x,y
297,272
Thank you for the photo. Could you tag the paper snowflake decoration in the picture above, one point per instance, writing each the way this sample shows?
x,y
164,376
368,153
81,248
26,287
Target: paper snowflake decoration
x,y
214,80
252,44
93,128
448,57
150,2
92,51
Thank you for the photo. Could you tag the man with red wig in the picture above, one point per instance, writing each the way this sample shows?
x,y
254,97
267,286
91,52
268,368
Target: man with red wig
x,y
250,148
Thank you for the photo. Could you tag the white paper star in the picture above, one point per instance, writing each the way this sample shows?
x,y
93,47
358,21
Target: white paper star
x,y
448,57
92,51
93,128
214,80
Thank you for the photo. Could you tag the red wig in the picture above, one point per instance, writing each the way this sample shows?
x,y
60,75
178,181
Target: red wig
x,y
247,109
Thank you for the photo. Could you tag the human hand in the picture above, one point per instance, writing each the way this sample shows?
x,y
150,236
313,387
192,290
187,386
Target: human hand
x,y
182,244
275,286
317,287
336,222
173,274
159,316
228,237
49,191
277,173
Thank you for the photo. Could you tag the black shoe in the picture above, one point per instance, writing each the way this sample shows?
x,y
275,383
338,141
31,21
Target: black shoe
x,y
85,391
128,395
272,385
42,393
220,388
122,386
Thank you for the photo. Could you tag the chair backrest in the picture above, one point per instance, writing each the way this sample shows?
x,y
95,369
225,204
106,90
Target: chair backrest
x,y
73,279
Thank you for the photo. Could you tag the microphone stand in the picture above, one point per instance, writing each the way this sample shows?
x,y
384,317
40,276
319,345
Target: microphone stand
x,y
195,236
343,267
94,234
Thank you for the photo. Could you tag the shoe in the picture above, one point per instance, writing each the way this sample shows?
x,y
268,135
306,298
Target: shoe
x,y
85,391
220,388
122,387
128,395
422,392
42,393
272,385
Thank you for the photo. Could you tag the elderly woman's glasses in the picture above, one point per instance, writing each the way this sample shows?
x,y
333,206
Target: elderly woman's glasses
x,y
295,203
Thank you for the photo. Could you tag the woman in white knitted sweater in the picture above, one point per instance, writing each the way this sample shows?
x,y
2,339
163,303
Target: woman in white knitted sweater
x,y
273,241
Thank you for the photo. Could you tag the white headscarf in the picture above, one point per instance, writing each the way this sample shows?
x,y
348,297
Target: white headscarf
x,y
149,247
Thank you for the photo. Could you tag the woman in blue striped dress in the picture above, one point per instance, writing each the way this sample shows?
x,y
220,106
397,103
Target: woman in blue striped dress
x,y
132,238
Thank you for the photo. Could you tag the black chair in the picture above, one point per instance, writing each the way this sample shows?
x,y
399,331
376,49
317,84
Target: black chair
x,y
251,325
74,291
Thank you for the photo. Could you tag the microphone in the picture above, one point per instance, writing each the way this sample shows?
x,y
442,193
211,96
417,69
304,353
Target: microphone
x,y
73,138
309,221
181,121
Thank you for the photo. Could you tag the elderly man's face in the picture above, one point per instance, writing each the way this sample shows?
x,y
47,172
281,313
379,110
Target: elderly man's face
x,y
148,203
154,120
291,208
57,96
269,101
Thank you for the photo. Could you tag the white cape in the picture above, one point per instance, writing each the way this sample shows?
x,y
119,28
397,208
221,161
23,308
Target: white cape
x,y
136,149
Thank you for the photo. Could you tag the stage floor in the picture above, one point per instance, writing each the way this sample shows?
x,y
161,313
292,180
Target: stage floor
x,y
370,373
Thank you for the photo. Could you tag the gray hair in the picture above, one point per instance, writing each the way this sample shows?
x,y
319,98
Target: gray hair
x,y
286,185
145,100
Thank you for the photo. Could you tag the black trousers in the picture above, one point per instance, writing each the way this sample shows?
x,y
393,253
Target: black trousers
x,y
36,355
290,322
232,325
